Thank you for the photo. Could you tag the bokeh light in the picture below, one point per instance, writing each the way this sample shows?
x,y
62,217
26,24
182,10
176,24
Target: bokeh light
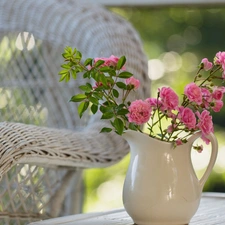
x,y
172,61
155,69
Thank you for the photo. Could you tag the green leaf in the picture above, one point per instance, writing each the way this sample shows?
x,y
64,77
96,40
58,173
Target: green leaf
x,y
121,106
118,124
89,85
78,98
121,85
68,49
106,129
66,55
85,88
105,69
79,68
125,74
122,112
65,76
107,115
110,81
94,108
66,66
74,51
95,75
121,62
78,55
82,108
115,93
88,62
99,63
112,73
74,74
106,104
98,77
63,72
104,109
132,126
98,95
103,79
93,100
87,74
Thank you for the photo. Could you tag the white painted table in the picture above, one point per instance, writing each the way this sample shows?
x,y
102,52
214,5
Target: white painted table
x,y
210,212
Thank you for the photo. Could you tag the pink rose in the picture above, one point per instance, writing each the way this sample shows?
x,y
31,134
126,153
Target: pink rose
x,y
178,142
207,65
114,60
193,92
171,114
188,118
101,58
205,123
111,61
180,109
206,140
206,97
199,148
218,93
220,60
97,84
217,105
134,82
169,98
139,112
154,102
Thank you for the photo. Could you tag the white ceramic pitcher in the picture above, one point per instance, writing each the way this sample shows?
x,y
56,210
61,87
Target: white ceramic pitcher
x,y
161,186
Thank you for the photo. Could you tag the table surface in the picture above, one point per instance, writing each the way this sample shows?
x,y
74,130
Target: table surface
x,y
211,212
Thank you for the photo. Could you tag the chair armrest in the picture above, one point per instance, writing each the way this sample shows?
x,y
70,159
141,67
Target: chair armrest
x,y
22,143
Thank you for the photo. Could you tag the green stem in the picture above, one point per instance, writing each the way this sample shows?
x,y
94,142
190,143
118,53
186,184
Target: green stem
x,y
126,95
83,67
210,75
109,98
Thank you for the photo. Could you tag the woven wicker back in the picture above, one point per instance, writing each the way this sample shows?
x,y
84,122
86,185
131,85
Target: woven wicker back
x,y
30,93
32,37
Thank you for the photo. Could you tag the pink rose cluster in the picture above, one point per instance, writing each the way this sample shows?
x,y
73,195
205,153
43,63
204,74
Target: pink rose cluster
x,y
194,112
205,97
111,61
220,60
134,83
141,111
200,98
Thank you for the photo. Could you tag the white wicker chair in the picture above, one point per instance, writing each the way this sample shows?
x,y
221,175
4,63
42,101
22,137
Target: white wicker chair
x,y
43,144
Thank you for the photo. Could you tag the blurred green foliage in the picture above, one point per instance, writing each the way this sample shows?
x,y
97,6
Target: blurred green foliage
x,y
175,40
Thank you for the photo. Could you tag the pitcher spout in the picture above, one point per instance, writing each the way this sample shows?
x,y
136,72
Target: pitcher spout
x,y
132,136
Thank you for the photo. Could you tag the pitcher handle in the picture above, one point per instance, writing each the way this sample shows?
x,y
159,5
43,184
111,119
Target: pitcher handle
x,y
214,147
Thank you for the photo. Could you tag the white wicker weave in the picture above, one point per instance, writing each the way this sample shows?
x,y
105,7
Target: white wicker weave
x,y
44,145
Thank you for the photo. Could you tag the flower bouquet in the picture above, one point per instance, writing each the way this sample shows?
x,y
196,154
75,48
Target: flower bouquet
x,y
108,86
161,186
